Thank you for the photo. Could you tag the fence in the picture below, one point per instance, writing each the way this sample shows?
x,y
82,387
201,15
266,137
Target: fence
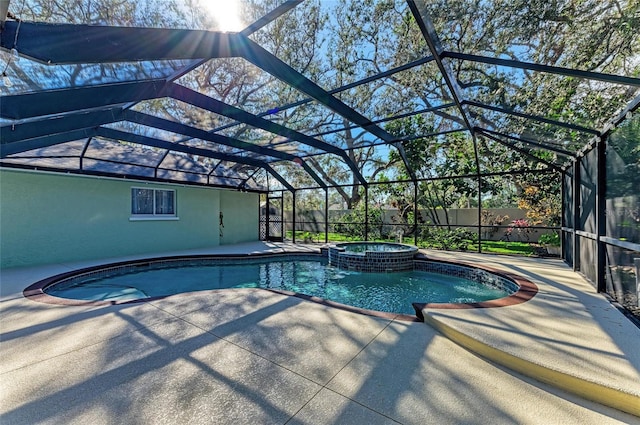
x,y
497,225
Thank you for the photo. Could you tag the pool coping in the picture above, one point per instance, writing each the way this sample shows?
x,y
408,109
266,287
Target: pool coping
x,y
527,289
35,292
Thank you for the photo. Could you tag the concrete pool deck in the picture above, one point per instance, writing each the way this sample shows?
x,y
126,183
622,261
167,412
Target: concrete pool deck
x,y
253,356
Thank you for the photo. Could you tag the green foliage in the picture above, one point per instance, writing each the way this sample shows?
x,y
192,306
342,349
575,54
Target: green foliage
x,y
507,248
623,159
450,155
541,197
552,239
353,223
334,43
442,238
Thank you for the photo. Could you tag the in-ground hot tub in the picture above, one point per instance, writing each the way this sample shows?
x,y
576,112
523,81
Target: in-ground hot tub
x,y
372,256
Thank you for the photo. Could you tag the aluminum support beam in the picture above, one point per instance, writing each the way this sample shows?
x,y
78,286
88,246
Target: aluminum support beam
x,y
84,152
196,133
44,141
366,213
293,214
392,118
71,44
588,75
347,87
50,125
326,215
532,117
601,222
161,144
274,66
576,213
479,176
144,119
192,97
519,150
419,11
29,105
416,211
530,142
271,16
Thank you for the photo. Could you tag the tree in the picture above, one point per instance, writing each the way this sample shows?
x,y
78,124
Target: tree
x,y
623,159
434,158
623,180
540,197
354,51
338,43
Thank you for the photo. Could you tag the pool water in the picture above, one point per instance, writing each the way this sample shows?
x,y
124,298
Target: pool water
x,y
388,292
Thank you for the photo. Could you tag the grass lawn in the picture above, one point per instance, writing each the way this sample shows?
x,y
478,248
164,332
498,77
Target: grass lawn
x,y
335,237
513,248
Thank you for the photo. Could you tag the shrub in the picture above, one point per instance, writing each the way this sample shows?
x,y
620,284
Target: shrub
x,y
552,239
490,223
442,238
520,228
352,223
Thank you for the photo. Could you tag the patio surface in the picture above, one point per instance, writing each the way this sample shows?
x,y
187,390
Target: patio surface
x,y
253,356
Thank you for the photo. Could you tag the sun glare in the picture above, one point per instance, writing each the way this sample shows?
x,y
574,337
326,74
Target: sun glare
x,y
226,14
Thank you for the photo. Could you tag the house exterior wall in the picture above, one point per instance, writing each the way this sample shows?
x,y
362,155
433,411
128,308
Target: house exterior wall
x,y
240,217
48,218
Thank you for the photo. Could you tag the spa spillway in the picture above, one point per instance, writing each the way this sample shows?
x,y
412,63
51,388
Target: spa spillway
x,y
372,256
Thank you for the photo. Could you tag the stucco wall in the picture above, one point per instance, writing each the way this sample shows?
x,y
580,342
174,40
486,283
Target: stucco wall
x,y
49,218
240,216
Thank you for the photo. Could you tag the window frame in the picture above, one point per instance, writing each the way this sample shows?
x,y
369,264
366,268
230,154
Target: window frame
x,y
154,215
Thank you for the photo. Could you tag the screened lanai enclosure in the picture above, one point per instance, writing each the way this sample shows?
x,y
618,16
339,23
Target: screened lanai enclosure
x,y
459,125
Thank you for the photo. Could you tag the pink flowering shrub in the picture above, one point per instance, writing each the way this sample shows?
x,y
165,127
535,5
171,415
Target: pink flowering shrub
x,y
520,229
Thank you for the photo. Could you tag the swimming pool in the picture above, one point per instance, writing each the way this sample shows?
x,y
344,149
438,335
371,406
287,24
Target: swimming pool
x,y
310,275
